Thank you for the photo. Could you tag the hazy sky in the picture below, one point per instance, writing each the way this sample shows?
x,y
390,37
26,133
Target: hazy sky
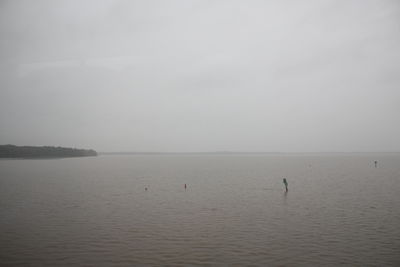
x,y
300,76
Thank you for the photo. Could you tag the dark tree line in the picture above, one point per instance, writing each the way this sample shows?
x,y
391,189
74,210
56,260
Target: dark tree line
x,y
11,151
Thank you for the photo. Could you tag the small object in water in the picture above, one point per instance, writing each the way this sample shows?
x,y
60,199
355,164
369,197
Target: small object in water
x,y
185,186
286,184
376,163
145,189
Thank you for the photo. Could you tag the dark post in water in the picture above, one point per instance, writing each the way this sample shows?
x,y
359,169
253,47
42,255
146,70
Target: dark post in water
x,y
286,184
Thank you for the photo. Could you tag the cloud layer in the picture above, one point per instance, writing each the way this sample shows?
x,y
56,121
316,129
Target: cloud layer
x,y
201,75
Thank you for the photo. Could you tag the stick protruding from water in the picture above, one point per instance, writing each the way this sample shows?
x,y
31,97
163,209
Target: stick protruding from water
x,y
286,184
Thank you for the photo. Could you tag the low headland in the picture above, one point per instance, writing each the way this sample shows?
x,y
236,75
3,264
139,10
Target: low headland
x,y
12,151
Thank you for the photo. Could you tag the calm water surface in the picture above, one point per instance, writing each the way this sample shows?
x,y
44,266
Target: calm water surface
x,y
340,210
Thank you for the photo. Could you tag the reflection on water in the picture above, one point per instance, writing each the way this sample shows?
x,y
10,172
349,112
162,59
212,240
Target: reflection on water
x,y
285,197
234,210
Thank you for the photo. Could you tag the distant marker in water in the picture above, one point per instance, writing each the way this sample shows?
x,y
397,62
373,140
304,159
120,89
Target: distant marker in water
x,y
285,183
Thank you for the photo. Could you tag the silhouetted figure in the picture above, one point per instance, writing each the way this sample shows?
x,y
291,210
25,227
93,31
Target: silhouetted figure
x,y
285,183
185,186
376,163
145,189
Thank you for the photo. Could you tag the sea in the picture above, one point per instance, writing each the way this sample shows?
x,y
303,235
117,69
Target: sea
x,y
134,210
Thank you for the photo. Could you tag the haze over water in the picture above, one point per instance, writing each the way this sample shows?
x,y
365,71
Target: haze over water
x,y
340,210
195,75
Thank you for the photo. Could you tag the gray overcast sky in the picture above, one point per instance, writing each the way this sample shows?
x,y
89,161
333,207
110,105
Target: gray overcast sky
x,y
300,76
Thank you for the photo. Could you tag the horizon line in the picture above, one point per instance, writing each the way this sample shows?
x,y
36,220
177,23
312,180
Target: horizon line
x,y
239,152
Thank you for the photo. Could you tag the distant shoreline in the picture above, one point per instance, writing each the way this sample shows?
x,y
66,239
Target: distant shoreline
x,y
241,153
43,152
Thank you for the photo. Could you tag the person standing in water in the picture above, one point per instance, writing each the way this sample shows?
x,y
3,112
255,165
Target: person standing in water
x,y
376,163
285,183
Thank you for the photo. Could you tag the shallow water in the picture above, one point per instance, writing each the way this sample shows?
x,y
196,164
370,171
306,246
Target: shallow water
x,y
340,210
